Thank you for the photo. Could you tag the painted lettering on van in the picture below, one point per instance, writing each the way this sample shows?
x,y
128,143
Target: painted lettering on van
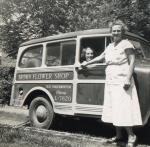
x,y
61,75
45,76
61,92
63,98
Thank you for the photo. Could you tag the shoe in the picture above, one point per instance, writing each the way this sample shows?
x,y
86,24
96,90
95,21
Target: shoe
x,y
132,141
114,140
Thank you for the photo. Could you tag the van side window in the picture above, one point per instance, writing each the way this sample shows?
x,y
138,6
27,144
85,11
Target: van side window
x,y
62,53
32,57
68,53
97,44
53,54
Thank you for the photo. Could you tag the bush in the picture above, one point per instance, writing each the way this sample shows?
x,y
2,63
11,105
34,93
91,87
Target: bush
x,y
6,79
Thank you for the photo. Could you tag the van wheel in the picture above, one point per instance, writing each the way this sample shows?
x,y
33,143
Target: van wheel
x,y
41,113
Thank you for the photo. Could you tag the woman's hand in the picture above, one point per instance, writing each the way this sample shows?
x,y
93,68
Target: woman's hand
x,y
127,84
83,64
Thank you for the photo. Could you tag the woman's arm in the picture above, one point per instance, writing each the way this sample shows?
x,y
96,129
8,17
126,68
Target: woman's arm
x,y
127,83
99,58
131,65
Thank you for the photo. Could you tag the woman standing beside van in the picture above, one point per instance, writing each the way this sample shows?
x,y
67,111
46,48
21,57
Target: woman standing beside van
x,y
121,105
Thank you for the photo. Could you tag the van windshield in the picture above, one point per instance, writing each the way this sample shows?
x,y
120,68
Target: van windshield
x,y
146,49
142,49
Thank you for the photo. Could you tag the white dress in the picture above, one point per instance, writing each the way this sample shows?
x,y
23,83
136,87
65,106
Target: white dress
x,y
121,107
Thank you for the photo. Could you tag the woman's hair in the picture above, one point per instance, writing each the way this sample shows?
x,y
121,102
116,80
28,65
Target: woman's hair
x,y
118,22
89,48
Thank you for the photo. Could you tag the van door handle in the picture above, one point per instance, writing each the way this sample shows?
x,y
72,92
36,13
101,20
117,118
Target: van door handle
x,y
78,68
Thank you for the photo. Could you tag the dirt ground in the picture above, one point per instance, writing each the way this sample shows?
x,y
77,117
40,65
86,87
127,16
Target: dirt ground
x,y
13,115
80,131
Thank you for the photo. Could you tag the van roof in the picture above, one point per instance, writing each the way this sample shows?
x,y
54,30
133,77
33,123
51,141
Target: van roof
x,y
74,35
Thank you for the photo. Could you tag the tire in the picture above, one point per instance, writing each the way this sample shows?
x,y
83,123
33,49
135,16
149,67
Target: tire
x,y
41,113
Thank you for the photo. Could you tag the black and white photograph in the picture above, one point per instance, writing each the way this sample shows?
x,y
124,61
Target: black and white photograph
x,y
74,73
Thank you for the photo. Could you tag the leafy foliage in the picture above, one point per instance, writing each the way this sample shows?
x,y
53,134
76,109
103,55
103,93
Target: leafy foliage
x,y
27,19
6,79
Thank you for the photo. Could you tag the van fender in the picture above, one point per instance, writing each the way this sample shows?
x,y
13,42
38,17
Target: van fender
x,y
42,90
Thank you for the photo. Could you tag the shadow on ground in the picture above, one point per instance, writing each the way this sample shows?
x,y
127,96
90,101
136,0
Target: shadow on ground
x,y
97,128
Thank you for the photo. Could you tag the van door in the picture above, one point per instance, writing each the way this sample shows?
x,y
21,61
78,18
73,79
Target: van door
x,y
60,60
91,80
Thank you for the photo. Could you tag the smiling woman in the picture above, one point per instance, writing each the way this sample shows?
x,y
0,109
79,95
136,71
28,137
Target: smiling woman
x,y
89,54
121,105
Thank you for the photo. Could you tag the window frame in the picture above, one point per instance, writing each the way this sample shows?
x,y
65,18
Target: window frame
x,y
92,36
62,41
25,50
68,43
47,53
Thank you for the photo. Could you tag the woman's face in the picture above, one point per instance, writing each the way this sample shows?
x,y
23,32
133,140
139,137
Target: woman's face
x,y
117,33
89,54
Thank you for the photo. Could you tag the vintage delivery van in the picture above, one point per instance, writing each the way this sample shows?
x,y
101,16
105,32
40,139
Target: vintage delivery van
x,y
49,81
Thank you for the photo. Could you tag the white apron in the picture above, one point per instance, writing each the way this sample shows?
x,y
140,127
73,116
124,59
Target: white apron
x,y
121,107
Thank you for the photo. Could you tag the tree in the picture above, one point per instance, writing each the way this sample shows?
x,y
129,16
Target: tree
x,y
27,19
24,20
136,14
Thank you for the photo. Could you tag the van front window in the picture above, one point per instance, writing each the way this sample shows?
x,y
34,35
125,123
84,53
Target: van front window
x,y
138,49
96,45
146,49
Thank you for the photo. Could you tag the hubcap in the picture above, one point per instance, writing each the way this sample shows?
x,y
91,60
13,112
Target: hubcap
x,y
41,113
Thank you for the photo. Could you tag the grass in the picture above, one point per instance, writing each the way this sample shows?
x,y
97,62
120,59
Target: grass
x,y
30,137
33,137
17,145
